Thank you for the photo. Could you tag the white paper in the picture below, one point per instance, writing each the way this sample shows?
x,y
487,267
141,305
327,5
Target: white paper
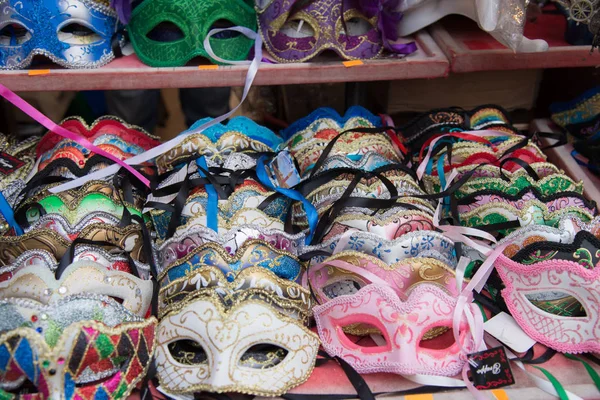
x,y
504,328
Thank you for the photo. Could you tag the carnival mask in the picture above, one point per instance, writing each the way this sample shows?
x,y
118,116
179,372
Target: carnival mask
x,y
403,325
296,31
72,33
165,33
525,284
250,348
80,347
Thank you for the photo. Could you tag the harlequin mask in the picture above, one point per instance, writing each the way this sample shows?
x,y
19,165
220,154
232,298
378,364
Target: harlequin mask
x,y
526,283
287,41
403,325
203,346
43,259
61,225
165,33
215,151
73,33
248,195
579,112
585,250
82,347
526,213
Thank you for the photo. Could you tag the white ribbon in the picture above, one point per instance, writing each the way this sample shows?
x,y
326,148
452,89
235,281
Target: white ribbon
x,y
155,152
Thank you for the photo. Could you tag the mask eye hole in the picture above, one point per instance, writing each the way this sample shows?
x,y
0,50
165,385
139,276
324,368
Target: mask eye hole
x,y
263,356
341,288
356,27
297,28
166,32
188,352
437,338
14,35
223,24
78,34
557,303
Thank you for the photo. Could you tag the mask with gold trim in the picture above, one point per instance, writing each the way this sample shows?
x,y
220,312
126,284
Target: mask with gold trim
x,y
254,282
295,31
181,245
253,253
249,348
78,347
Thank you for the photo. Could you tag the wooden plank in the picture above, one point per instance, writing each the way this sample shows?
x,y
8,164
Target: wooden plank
x,y
561,156
471,49
130,73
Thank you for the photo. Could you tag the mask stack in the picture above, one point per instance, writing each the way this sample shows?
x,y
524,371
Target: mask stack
x,y
76,309
378,238
547,231
580,120
377,264
233,314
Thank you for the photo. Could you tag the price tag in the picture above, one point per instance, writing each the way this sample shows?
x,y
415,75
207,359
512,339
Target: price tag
x,y
490,369
352,63
36,72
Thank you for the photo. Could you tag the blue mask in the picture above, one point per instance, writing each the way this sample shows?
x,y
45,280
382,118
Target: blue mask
x,y
72,33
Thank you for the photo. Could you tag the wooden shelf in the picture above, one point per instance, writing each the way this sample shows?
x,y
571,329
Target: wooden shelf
x,y
129,73
470,49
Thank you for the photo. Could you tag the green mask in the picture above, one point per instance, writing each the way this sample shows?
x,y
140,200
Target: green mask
x,y
168,33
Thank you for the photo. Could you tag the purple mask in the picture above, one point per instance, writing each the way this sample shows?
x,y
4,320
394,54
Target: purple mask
x,y
298,30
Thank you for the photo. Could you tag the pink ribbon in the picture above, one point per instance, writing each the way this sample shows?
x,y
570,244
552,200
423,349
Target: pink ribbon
x,y
59,130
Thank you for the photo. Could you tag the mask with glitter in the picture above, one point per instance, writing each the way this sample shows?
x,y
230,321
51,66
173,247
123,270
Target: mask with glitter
x,y
42,285
72,33
84,346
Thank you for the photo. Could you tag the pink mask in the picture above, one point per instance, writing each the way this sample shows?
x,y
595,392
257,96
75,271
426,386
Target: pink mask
x,y
348,271
403,325
565,334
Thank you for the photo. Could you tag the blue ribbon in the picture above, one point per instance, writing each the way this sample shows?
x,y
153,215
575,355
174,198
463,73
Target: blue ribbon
x,y
8,214
430,162
212,206
310,210
442,176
